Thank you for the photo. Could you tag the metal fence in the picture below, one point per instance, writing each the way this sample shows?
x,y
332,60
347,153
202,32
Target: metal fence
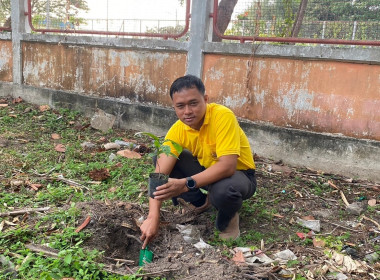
x,y
350,20
321,21
121,18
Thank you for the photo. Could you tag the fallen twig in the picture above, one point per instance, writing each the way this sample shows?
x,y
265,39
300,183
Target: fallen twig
x,y
45,174
24,211
71,182
134,237
344,198
373,221
157,273
338,225
85,223
120,260
332,185
50,252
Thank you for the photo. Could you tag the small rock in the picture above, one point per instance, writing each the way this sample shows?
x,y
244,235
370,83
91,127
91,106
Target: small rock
x,y
372,258
17,183
88,145
356,208
111,146
322,213
112,157
102,121
125,144
338,276
285,255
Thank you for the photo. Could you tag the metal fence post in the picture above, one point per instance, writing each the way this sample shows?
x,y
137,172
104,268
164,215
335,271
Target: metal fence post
x,y
200,19
18,9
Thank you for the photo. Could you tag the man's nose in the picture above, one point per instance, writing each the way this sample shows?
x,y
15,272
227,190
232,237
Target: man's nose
x,y
187,109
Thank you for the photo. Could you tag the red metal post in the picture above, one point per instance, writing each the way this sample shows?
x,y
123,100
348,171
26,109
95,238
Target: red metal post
x,y
94,32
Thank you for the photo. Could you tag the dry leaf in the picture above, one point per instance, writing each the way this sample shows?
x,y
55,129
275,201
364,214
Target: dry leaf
x,y
372,202
308,218
128,154
55,136
44,108
238,258
99,174
35,186
112,189
60,148
318,243
17,100
278,216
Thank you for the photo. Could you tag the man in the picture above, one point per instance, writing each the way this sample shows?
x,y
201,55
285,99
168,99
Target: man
x,y
216,157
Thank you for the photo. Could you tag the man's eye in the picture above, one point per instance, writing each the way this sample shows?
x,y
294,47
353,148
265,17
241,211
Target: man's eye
x,y
179,106
193,103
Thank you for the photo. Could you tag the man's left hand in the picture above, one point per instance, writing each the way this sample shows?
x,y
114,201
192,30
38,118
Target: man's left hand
x,y
173,188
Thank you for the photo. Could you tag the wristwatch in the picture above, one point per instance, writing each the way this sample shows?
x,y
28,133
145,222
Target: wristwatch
x,y
191,184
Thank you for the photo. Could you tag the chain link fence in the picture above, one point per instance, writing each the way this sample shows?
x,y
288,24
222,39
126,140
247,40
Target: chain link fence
x,y
122,18
323,19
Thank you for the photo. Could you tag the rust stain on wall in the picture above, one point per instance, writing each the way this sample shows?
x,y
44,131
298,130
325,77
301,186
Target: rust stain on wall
x,y
320,96
6,62
135,76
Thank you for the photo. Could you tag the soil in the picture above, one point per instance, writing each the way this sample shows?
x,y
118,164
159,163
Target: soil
x,y
288,192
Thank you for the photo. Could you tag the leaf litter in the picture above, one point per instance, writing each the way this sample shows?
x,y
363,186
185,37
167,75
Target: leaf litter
x,y
277,241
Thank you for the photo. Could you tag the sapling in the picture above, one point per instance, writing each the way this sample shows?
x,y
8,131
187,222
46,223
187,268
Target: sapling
x,y
159,147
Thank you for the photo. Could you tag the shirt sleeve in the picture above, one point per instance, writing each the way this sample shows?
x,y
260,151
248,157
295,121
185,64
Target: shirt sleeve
x,y
227,135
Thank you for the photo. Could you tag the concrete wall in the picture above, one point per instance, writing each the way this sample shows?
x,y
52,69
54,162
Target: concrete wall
x,y
313,106
6,62
320,96
133,75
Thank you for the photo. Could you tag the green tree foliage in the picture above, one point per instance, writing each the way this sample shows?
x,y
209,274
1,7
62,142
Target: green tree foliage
x,y
57,9
361,10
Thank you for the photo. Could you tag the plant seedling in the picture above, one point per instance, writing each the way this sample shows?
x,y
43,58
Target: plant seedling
x,y
158,179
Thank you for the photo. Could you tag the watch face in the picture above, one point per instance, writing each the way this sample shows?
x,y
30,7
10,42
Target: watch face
x,y
190,183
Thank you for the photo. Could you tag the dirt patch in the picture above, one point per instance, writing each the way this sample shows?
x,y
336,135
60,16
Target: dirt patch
x,y
289,195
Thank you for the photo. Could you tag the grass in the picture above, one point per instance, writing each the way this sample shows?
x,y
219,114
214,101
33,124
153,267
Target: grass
x,y
30,150
29,156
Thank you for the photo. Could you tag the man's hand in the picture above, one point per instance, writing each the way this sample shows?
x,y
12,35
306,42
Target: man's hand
x,y
149,230
173,188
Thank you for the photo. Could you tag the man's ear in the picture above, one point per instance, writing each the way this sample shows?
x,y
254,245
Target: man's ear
x,y
206,97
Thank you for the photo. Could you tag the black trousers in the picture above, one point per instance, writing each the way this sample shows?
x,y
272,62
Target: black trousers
x,y
226,195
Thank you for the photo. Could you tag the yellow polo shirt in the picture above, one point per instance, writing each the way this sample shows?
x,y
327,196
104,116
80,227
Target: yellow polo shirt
x,y
219,135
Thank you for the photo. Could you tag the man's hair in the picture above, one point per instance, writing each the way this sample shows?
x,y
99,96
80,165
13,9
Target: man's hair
x,y
187,82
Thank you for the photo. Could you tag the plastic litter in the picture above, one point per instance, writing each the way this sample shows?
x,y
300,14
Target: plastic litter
x,y
192,235
286,255
314,225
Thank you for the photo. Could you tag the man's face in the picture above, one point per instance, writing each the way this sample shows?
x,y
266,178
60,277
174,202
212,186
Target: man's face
x,y
190,106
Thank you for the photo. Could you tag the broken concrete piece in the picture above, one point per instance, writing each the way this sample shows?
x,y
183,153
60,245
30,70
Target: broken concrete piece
x,y
372,258
102,121
314,225
356,208
128,154
111,146
323,213
251,256
285,255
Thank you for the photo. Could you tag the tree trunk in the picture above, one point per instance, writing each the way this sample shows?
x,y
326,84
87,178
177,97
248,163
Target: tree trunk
x,y
300,15
225,10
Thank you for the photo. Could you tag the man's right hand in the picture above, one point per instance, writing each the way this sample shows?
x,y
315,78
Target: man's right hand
x,y
149,230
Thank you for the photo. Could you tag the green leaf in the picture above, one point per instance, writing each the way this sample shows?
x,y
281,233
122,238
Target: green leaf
x,y
68,259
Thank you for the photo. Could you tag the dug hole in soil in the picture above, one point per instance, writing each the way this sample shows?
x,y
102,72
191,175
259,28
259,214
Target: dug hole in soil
x,y
115,230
